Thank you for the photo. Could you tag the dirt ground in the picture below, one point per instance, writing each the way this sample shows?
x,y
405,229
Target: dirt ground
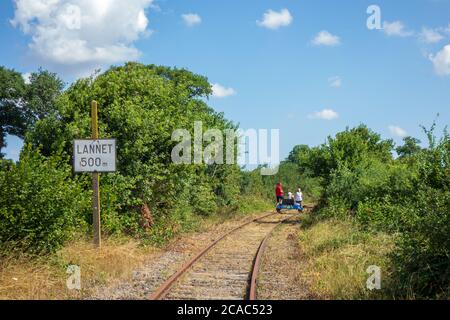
x,y
282,266
224,272
159,268
123,271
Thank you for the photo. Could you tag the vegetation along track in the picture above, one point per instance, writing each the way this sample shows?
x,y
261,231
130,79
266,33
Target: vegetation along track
x,y
227,268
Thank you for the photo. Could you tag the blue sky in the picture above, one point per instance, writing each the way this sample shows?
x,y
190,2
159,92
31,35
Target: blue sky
x,y
279,73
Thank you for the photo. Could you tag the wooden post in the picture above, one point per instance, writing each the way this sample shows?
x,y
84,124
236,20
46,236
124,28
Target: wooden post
x,y
96,183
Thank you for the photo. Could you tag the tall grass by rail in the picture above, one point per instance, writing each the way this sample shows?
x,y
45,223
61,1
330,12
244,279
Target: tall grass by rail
x,y
338,254
44,277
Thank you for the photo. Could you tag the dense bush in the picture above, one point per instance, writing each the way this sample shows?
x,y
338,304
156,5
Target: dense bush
x,y
408,196
149,196
423,259
116,200
141,106
41,206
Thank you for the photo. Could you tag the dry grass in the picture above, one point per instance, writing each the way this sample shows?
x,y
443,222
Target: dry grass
x,y
45,277
27,278
338,256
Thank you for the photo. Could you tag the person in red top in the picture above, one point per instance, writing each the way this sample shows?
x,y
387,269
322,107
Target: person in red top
x,y
279,192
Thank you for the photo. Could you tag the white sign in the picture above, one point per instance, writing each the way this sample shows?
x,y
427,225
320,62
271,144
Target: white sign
x,y
94,155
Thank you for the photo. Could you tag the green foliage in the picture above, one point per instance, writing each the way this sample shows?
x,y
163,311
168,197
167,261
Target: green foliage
x,y
41,206
409,148
41,93
422,261
347,166
346,150
371,180
253,203
21,104
116,202
252,184
203,200
352,146
314,162
292,177
141,106
227,188
409,197
12,89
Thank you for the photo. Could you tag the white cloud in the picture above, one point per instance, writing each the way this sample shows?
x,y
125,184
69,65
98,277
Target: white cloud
x,y
324,38
26,77
335,82
441,61
326,114
191,19
430,36
396,28
274,20
82,33
220,91
397,131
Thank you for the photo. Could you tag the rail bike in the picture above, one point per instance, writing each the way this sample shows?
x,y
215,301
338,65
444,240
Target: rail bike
x,y
289,204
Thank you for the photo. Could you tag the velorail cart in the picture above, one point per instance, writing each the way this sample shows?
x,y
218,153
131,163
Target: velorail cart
x,y
289,204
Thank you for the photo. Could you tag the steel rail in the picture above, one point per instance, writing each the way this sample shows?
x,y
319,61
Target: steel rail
x,y
258,259
167,285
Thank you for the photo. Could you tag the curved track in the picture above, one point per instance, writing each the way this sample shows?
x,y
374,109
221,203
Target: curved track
x,y
225,269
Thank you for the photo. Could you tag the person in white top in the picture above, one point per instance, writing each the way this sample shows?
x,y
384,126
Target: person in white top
x,y
299,196
290,195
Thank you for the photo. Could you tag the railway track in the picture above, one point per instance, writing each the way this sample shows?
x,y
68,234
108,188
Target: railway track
x,y
227,269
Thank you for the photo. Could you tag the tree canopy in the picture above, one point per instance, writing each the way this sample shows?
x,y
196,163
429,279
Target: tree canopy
x,y
410,147
23,104
140,106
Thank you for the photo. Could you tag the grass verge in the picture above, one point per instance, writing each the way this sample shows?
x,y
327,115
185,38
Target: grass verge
x,y
338,254
44,277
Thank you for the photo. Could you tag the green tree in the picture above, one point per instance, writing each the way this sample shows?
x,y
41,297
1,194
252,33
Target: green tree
x,y
12,91
41,93
410,147
351,146
141,106
22,105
